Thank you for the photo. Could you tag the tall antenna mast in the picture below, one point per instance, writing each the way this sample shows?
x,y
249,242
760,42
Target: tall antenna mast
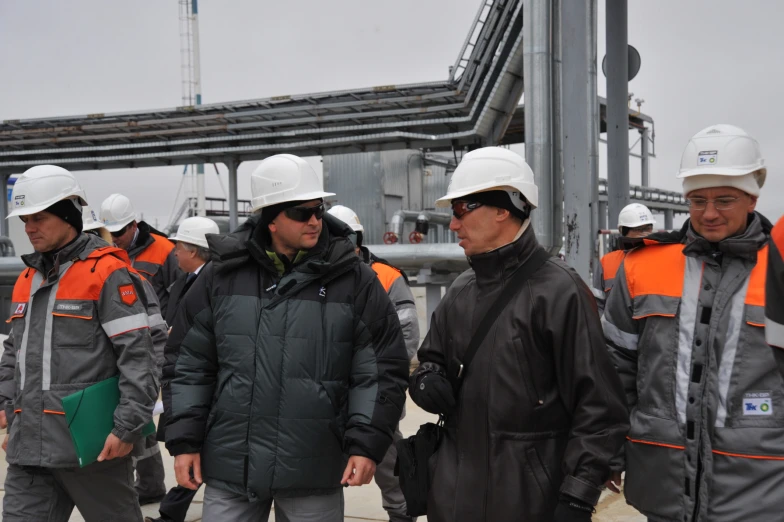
x,y
191,93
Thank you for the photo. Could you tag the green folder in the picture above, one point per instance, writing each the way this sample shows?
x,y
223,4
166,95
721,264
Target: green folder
x,y
90,417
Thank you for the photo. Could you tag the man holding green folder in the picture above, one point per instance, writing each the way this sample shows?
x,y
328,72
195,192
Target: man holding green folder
x,y
78,318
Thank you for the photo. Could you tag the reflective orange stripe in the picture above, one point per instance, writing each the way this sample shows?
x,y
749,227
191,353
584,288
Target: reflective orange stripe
x,y
758,457
18,411
611,263
750,323
157,252
72,316
54,412
656,269
386,274
755,295
652,315
650,443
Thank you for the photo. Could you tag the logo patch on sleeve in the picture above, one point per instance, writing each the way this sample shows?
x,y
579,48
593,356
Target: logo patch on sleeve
x,y
127,294
20,308
758,403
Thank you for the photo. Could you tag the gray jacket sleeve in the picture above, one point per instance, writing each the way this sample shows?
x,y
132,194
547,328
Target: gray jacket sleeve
x,y
405,306
7,377
621,335
127,326
194,352
158,329
379,368
164,278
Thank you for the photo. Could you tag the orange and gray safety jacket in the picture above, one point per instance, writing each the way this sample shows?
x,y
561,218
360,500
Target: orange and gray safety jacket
x,y
685,326
84,320
604,276
774,292
152,255
396,284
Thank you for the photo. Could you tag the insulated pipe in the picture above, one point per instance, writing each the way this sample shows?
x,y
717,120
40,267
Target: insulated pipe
x,y
617,108
398,218
4,226
537,77
232,164
442,257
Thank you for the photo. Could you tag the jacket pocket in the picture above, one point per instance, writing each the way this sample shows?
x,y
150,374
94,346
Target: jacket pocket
x,y
528,372
745,488
655,478
73,324
520,480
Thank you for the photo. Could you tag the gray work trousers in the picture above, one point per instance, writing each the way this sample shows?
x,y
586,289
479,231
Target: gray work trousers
x,y
149,472
103,492
391,496
220,506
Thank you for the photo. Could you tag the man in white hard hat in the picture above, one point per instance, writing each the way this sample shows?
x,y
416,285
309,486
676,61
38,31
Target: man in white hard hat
x,y
395,283
532,422
634,221
78,317
291,372
151,252
685,326
774,295
152,255
193,252
92,224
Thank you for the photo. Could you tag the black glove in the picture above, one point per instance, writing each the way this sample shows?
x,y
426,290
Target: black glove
x,y
572,510
434,394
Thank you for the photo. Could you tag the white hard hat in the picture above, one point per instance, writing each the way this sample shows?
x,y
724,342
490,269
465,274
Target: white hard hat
x,y
282,178
723,150
41,187
635,215
491,168
194,231
90,219
347,216
116,212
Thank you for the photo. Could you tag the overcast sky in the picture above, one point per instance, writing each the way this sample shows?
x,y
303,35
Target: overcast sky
x,y
703,62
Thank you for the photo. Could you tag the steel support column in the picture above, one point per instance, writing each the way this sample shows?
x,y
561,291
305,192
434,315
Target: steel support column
x,y
645,157
579,98
602,223
617,108
233,164
668,215
4,230
537,77
432,298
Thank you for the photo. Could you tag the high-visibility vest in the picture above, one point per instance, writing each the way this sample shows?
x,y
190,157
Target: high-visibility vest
x,y
611,262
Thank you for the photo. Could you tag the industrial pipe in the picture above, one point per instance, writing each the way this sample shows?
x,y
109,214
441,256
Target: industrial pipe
x,y
442,257
422,220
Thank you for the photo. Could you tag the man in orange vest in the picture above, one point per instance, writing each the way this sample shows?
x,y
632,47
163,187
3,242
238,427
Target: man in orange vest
x,y
634,221
685,326
152,255
395,283
78,316
774,294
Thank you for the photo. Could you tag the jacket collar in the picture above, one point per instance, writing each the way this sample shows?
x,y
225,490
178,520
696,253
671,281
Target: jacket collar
x,y
79,248
744,245
499,264
333,253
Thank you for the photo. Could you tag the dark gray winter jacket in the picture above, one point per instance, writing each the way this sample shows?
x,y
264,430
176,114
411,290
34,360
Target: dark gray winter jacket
x,y
279,379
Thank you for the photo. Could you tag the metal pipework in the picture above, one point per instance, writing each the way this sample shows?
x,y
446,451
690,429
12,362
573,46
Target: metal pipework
x,y
427,217
442,257
396,223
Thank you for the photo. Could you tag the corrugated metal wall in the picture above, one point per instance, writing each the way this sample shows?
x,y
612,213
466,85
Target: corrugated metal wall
x,y
376,184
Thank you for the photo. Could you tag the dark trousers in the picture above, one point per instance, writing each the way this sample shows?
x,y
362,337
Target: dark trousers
x,y
175,504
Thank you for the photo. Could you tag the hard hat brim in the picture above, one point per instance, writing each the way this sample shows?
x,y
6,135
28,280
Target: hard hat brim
x,y
28,211
91,226
720,171
190,240
120,225
299,197
524,188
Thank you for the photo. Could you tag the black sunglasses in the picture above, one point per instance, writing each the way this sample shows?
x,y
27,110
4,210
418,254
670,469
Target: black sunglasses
x,y
120,232
303,214
461,208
